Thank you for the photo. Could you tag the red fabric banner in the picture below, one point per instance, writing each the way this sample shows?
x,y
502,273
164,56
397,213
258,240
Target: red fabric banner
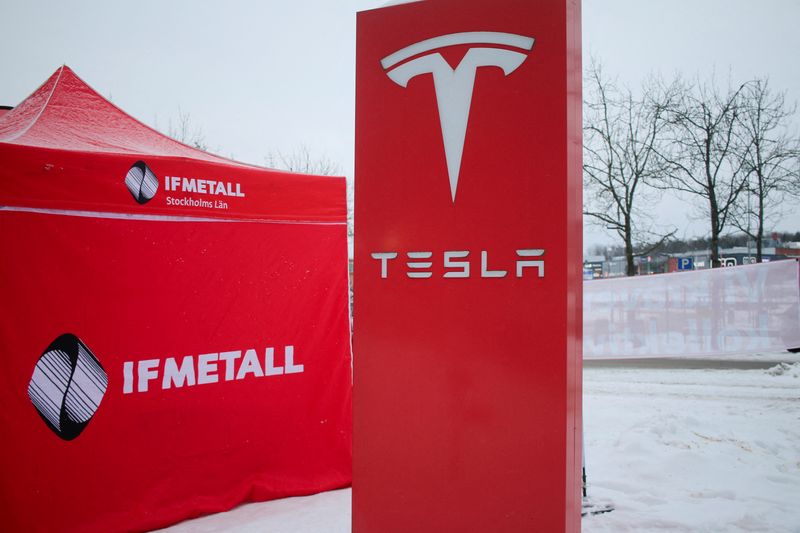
x,y
60,179
172,437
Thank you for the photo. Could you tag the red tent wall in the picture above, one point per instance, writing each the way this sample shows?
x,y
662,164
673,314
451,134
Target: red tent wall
x,y
174,331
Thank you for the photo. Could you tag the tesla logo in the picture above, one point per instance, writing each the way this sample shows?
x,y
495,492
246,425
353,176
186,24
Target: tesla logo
x,y
457,264
454,86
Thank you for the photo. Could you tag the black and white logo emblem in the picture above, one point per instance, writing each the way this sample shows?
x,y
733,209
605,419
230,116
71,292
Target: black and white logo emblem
x,y
67,386
141,182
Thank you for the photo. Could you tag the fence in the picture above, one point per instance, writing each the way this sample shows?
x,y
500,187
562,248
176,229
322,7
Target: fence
x,y
724,311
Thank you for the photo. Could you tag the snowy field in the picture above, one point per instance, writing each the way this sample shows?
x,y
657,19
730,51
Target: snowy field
x,y
694,450
673,449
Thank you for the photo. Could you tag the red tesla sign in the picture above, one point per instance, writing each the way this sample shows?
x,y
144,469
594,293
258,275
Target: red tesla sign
x,y
467,314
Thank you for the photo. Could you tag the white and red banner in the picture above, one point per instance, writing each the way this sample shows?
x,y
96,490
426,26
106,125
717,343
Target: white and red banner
x,y
467,267
174,330
702,313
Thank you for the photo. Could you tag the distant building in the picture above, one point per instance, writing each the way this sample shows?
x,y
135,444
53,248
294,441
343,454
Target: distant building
x,y
738,255
789,249
595,267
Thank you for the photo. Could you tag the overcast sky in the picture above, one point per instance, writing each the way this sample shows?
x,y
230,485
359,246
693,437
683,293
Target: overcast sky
x,y
266,76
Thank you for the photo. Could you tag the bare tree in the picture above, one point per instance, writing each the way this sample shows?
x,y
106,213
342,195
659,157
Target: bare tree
x,y
621,138
300,160
770,158
701,155
186,131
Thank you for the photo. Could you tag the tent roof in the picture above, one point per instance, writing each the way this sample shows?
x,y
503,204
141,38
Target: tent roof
x,y
66,114
65,147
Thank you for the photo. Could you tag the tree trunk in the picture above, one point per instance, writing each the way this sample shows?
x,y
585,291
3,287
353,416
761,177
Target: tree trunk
x,y
715,263
630,269
760,235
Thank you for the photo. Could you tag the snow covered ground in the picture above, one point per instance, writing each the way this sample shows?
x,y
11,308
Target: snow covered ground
x,y
673,449
327,512
694,450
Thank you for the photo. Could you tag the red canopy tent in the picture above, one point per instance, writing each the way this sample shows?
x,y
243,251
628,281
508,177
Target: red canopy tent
x,y
175,330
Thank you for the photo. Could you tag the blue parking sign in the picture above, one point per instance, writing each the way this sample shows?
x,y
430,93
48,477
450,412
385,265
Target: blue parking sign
x,y
685,263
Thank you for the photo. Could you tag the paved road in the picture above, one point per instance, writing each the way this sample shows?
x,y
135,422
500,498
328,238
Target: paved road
x,y
714,364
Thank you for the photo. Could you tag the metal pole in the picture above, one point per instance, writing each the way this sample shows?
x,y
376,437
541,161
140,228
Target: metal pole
x,y
748,218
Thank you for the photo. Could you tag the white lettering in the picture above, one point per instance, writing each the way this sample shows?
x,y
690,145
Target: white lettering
x,y
539,265
127,373
250,365
207,368
485,272
203,186
147,371
178,376
419,265
291,368
384,257
184,373
229,358
269,363
463,265
527,258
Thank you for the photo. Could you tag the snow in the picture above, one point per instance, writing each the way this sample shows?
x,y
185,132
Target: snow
x,y
327,512
694,450
672,449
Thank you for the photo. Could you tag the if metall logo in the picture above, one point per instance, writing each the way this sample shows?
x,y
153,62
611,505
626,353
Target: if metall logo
x,y
67,386
454,87
141,182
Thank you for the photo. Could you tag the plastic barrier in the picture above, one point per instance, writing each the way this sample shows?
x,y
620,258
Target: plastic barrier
x,y
724,311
